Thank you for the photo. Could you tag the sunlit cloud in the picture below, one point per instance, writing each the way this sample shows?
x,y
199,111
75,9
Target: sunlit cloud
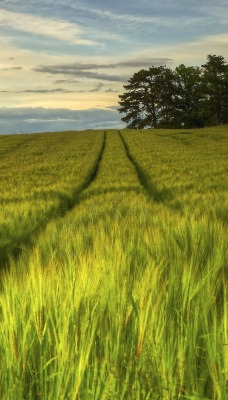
x,y
57,29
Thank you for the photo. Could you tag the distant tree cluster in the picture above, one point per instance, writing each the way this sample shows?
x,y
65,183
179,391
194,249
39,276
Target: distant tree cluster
x,y
186,97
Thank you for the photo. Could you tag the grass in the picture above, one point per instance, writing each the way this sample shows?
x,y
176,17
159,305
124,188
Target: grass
x,y
40,179
125,295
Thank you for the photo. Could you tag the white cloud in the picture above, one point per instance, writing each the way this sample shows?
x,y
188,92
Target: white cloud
x,y
57,29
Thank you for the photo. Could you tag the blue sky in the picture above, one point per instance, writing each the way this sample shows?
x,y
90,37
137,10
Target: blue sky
x,y
64,62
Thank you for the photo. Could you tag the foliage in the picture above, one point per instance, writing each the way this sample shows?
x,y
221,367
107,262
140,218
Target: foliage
x,y
215,80
189,96
125,296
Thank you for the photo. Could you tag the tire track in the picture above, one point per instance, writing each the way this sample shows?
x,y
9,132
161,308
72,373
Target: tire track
x,y
13,248
152,192
69,202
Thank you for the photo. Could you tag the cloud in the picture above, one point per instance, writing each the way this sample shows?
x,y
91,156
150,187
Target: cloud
x,y
168,17
165,13
81,74
15,120
145,62
12,69
42,36
89,70
48,27
60,81
110,90
97,88
59,90
42,91
74,67
195,52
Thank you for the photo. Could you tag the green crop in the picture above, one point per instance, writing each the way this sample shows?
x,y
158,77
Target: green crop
x,y
40,178
124,294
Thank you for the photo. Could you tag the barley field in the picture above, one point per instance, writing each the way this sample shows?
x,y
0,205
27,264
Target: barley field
x,y
114,265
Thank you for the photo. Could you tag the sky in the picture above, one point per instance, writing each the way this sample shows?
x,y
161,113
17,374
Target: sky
x,y
64,62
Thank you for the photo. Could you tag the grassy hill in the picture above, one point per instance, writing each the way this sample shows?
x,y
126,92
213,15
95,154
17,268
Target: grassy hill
x,y
114,265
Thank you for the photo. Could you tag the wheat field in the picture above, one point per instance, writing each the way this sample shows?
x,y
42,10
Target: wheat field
x,y
114,265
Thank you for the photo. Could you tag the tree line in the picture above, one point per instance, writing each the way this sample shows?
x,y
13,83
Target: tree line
x,y
185,97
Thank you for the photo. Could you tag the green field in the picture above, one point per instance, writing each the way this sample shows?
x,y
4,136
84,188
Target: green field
x,y
114,265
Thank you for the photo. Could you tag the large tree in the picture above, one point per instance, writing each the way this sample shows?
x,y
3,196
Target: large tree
x,y
189,110
148,98
215,81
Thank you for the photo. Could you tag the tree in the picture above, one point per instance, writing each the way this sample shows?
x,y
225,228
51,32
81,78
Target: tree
x,y
166,87
132,102
148,98
189,99
215,81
